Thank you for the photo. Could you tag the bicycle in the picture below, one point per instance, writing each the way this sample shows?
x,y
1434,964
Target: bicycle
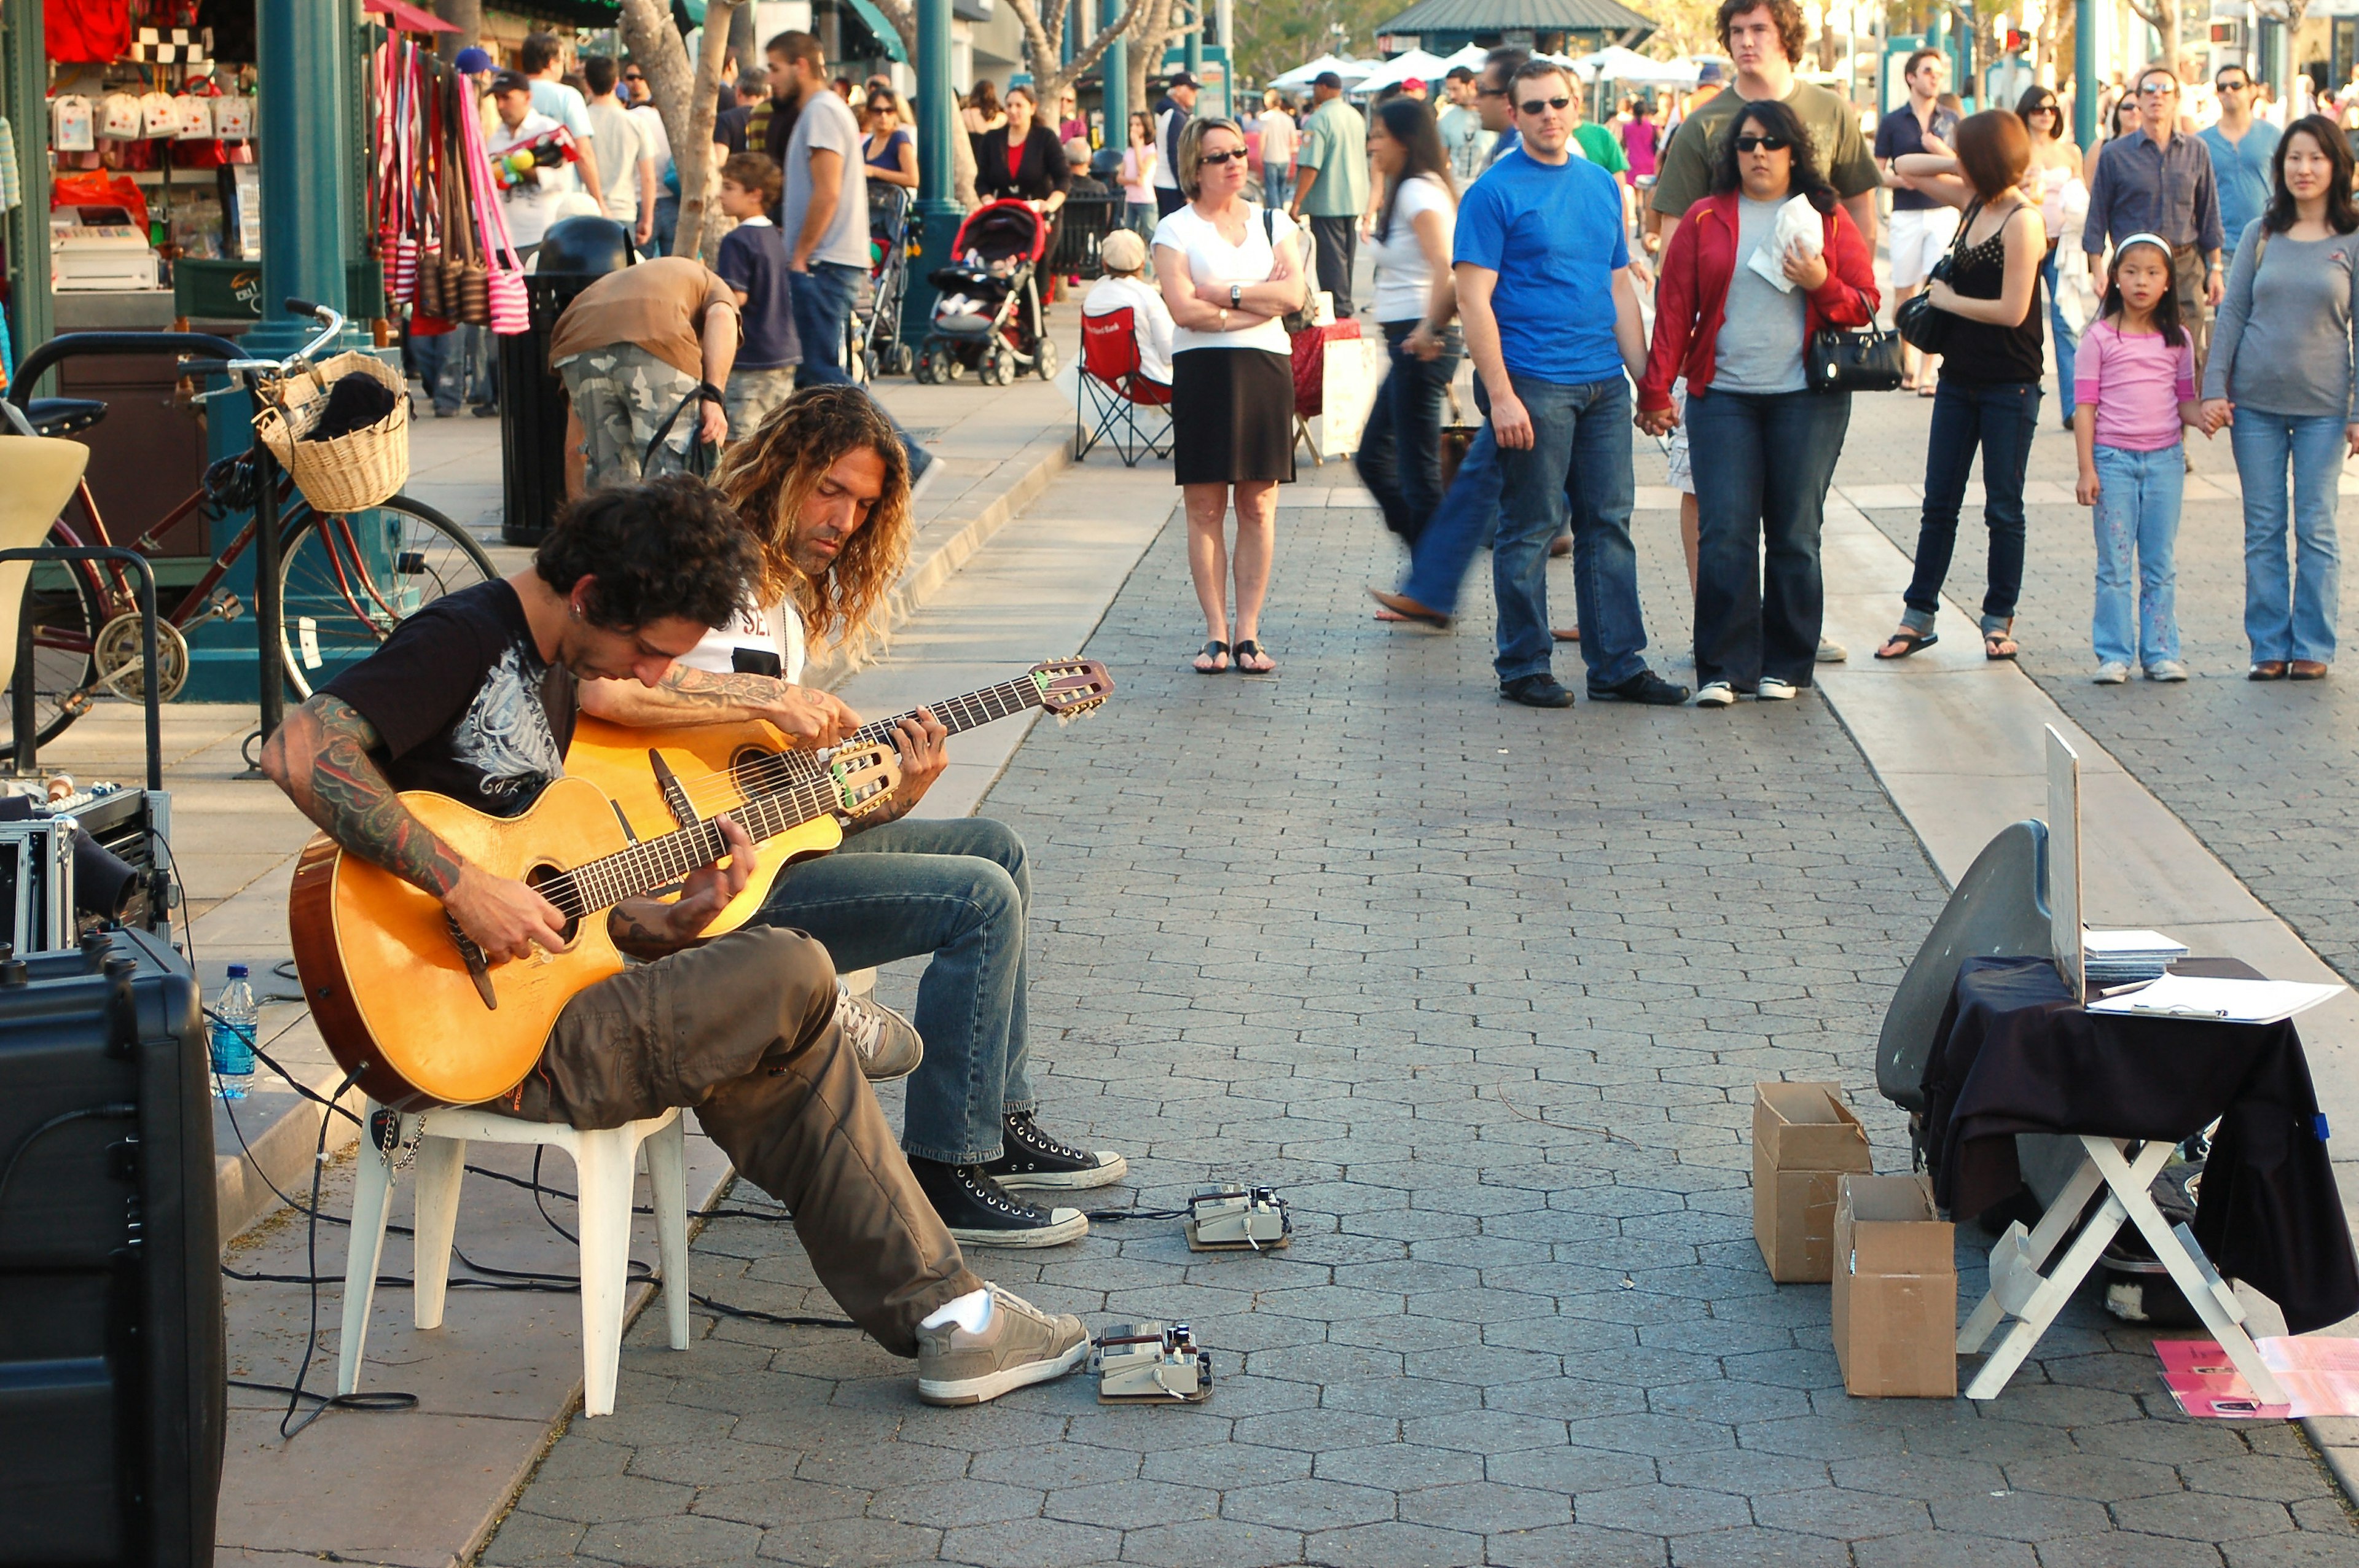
x,y
344,581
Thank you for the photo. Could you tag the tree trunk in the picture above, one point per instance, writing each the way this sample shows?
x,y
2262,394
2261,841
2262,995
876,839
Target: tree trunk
x,y
1044,47
467,15
1154,33
686,100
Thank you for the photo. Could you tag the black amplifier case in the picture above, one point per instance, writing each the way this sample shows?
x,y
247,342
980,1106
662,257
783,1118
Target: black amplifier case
x,y
111,1400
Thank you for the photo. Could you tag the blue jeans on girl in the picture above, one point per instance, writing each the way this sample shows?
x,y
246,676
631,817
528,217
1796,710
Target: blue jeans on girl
x,y
2061,333
2136,515
1760,503
1998,417
2290,614
1399,457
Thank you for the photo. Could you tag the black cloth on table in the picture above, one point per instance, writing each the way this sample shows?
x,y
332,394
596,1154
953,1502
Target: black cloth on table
x,y
2013,1055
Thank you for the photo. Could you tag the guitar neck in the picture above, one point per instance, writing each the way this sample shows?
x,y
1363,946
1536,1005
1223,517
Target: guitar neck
x,y
958,714
657,863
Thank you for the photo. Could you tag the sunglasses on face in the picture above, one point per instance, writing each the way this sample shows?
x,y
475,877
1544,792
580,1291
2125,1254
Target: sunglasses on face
x,y
1749,142
2234,86
1229,156
2157,89
1482,91
1541,105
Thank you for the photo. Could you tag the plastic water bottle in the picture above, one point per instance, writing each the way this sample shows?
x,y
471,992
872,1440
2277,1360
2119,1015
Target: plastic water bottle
x,y
232,1036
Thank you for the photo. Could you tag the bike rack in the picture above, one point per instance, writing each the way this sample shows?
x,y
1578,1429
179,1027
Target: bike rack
x,y
22,714
269,615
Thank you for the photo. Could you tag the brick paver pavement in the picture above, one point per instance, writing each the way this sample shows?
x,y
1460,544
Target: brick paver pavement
x,y
1485,990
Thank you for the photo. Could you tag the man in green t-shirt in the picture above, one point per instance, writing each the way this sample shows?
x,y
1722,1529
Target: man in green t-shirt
x,y
1331,184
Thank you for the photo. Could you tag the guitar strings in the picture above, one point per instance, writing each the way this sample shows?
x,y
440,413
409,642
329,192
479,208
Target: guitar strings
x,y
602,883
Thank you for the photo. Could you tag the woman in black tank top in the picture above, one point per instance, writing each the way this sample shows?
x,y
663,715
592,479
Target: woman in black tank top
x,y
1989,396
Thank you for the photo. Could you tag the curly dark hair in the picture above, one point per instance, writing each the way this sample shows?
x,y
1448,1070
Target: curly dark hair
x,y
668,549
1793,30
1773,118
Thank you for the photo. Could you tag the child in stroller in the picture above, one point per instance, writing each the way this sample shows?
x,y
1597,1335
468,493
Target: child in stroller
x,y
988,318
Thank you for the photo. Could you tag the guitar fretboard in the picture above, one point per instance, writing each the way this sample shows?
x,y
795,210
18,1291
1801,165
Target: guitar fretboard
x,y
969,712
659,863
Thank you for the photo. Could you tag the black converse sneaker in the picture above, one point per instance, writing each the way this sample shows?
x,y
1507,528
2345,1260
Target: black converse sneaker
x,y
1030,1158
980,1214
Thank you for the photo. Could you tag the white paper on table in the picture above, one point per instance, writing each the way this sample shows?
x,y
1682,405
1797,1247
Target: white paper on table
x,y
2217,1000
2104,944
1799,226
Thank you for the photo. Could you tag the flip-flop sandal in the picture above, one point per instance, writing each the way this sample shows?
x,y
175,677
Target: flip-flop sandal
x,y
1249,649
1991,645
1400,606
1900,644
1212,651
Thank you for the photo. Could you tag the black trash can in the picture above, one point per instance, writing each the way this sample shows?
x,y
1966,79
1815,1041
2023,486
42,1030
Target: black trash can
x,y
573,254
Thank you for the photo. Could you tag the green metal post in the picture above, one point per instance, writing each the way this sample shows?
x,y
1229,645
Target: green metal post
x,y
28,226
2084,72
937,208
306,60
1195,50
1113,70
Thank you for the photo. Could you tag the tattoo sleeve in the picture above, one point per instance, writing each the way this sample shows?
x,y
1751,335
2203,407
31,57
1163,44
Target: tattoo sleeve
x,y
320,756
630,926
706,688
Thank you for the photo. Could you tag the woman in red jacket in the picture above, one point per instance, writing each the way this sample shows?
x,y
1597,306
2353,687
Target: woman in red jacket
x,y
1724,323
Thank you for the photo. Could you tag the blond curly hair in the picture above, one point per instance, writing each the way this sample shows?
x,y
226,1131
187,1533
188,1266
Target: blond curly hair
x,y
769,474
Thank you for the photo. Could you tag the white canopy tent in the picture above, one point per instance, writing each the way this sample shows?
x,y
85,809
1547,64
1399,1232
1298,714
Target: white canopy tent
x,y
1615,63
1429,69
1303,75
1473,55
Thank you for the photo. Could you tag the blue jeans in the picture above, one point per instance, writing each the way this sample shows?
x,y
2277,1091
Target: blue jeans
x,y
957,889
820,300
1999,418
2137,514
1772,456
2289,615
1468,515
1578,461
2068,341
1399,457
442,363
666,227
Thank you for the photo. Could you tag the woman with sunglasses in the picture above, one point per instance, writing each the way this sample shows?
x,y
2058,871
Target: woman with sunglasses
x,y
1229,269
2121,120
890,157
1739,338
2055,174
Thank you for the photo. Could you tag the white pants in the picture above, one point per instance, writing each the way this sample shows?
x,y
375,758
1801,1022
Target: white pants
x,y
1918,238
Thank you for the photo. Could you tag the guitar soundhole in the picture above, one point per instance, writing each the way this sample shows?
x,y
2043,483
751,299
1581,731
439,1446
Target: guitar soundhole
x,y
537,879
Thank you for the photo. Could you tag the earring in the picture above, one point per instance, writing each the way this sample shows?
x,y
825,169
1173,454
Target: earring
x,y
577,612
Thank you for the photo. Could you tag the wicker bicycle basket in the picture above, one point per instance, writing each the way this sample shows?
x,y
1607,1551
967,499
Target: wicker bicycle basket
x,y
347,474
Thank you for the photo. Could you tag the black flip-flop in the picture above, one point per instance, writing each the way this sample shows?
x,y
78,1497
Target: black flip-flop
x,y
1911,642
1214,651
1249,649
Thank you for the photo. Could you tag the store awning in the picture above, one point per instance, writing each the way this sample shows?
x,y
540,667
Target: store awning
x,y
887,35
404,18
1503,15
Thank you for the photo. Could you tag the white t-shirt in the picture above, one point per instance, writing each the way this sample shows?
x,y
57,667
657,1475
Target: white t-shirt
x,y
615,136
654,140
531,207
1404,281
826,125
1150,320
564,104
1211,259
1278,140
778,630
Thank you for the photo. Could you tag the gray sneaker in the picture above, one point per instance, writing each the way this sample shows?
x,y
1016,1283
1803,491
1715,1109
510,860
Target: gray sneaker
x,y
887,1043
2166,670
1832,652
2112,671
1019,1347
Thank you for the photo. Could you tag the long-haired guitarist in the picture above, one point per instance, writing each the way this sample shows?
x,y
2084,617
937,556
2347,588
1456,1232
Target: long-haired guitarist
x,y
823,484
473,697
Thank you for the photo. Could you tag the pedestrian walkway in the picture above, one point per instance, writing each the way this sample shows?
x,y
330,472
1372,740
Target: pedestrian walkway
x,y
1483,992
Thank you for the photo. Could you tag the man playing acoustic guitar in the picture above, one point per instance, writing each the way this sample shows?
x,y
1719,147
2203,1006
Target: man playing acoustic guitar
x,y
824,486
474,698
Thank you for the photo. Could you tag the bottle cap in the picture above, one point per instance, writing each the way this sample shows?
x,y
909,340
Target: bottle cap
x,y
237,971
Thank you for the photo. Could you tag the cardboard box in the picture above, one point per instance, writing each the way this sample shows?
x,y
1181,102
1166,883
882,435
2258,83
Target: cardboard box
x,y
1895,1295
1803,1138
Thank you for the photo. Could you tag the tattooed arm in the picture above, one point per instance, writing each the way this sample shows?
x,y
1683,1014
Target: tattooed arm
x,y
320,756
701,696
649,928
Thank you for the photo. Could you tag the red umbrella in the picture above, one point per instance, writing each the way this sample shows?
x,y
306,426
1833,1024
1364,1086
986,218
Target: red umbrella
x,y
404,18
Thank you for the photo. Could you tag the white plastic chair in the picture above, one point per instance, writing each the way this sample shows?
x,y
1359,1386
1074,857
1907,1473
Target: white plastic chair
x,y
605,1167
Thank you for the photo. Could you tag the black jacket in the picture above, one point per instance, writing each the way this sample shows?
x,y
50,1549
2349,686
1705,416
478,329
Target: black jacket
x,y
1038,172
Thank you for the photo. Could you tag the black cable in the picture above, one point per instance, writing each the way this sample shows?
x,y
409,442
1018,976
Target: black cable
x,y
118,1111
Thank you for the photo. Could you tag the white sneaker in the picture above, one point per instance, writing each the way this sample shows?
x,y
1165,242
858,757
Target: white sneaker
x,y
2166,670
887,1043
2112,671
1832,652
1772,689
1715,694
1019,1347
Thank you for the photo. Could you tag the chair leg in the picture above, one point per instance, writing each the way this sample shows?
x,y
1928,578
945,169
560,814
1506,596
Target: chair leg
x,y
667,1190
372,1186
603,1170
440,1166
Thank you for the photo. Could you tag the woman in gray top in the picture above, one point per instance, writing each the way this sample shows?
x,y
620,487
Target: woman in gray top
x,y
2282,375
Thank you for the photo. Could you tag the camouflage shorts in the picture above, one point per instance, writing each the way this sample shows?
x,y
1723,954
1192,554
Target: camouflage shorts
x,y
750,396
623,395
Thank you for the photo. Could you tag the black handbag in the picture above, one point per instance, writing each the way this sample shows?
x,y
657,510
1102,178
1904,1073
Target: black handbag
x,y
1919,321
1838,359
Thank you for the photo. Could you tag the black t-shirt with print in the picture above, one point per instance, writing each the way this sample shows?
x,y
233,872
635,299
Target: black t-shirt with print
x,y
464,703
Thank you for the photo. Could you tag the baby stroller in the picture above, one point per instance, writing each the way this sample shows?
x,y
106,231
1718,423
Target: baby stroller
x,y
888,272
988,317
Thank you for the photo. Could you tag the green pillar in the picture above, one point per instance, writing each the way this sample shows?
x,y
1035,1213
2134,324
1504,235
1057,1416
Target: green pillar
x,y
2084,71
1195,47
28,229
1113,70
306,60
938,207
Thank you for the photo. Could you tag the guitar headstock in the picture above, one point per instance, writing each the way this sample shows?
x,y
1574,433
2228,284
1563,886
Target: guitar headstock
x,y
1072,687
864,776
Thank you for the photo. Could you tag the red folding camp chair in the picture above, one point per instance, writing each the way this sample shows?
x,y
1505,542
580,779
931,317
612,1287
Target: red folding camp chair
x,y
1115,393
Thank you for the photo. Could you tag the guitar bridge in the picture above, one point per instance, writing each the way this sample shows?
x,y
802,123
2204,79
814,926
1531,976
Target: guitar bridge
x,y
477,971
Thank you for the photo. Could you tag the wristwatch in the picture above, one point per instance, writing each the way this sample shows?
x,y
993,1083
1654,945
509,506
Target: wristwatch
x,y
1236,295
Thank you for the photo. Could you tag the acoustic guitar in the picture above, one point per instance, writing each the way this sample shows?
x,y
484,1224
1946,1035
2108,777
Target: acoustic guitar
x,y
660,778
406,1001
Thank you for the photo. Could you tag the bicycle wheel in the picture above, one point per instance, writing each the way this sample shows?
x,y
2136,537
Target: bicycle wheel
x,y
346,581
61,603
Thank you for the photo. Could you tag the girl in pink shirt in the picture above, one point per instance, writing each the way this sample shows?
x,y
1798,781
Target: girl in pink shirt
x,y
2134,388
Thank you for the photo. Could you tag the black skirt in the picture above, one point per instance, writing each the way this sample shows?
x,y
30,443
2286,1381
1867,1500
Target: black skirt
x,y
1232,417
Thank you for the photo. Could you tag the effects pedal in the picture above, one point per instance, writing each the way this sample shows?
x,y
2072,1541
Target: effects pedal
x,y
1152,1363
1238,1219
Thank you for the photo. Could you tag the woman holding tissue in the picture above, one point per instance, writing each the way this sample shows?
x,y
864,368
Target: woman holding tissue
x,y
1991,367
1752,272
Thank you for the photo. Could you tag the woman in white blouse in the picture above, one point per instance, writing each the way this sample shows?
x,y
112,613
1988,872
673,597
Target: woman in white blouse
x,y
1399,457
1229,269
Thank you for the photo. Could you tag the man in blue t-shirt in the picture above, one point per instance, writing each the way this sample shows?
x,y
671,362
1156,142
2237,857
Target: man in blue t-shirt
x,y
1552,321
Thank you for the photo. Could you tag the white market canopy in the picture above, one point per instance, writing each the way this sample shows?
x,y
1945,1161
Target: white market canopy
x,y
1615,63
1473,55
1429,69
1303,75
